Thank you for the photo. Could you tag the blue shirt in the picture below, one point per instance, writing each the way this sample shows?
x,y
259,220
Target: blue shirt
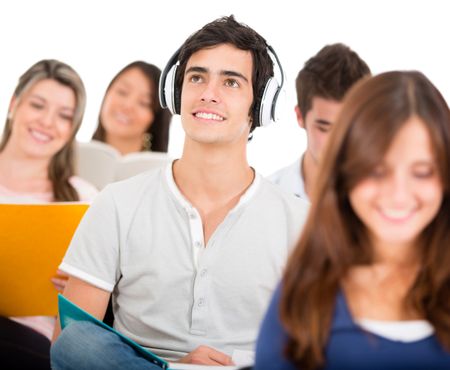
x,y
349,346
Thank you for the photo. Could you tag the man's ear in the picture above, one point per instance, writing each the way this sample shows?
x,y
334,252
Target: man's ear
x,y
300,120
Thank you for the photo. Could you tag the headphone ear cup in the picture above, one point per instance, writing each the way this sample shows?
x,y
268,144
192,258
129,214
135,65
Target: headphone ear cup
x,y
169,89
268,102
168,95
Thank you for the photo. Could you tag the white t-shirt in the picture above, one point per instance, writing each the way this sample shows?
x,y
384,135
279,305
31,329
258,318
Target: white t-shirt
x,y
85,190
142,240
403,331
290,179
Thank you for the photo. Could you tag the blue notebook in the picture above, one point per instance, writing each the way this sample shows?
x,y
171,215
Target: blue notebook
x,y
69,312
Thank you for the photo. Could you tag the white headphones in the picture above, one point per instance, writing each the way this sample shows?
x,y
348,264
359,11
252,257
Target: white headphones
x,y
265,110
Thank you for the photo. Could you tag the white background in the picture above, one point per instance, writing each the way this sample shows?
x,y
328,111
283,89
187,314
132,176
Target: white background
x,y
98,38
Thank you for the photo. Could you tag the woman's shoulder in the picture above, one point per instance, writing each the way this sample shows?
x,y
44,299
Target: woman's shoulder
x,y
8,195
86,191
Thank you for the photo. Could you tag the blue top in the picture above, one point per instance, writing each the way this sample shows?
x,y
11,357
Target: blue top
x,y
349,346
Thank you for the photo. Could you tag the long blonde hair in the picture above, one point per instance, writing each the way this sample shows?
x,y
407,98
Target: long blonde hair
x,y
61,166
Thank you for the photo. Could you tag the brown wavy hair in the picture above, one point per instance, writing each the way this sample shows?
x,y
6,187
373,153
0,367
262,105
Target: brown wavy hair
x,y
61,167
159,128
334,239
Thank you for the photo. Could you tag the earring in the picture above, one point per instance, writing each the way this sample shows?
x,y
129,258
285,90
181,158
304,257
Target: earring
x,y
9,116
147,141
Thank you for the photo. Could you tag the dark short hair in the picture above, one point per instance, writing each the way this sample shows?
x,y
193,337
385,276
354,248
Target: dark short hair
x,y
329,74
227,30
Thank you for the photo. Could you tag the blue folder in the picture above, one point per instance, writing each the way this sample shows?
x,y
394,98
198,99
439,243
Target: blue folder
x,y
69,312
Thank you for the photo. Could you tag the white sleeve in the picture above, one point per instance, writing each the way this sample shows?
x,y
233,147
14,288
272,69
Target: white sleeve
x,y
93,254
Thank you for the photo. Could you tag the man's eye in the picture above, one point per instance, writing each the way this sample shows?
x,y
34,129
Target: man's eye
x,y
195,78
323,128
231,83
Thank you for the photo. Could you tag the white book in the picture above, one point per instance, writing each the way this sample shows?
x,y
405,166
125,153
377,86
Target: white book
x,y
100,163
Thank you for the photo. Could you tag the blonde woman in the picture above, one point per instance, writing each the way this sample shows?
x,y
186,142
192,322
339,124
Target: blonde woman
x,y
36,165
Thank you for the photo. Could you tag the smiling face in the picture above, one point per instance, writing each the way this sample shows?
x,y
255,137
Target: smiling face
x,y
42,119
216,95
404,192
127,109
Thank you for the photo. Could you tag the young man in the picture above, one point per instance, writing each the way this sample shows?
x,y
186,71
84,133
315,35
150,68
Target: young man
x,y
190,253
321,86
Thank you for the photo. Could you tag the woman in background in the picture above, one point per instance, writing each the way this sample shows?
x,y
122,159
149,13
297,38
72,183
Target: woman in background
x,y
368,286
131,118
36,165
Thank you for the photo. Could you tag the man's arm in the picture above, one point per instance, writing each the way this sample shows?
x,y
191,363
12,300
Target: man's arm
x,y
90,298
95,301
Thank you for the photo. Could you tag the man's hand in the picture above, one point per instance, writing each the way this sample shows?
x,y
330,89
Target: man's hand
x,y
59,281
205,355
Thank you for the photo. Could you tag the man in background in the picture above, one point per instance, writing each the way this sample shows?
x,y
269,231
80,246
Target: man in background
x,y
321,85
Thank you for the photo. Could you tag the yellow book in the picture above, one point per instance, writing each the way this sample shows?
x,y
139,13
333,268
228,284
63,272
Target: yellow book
x,y
33,241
